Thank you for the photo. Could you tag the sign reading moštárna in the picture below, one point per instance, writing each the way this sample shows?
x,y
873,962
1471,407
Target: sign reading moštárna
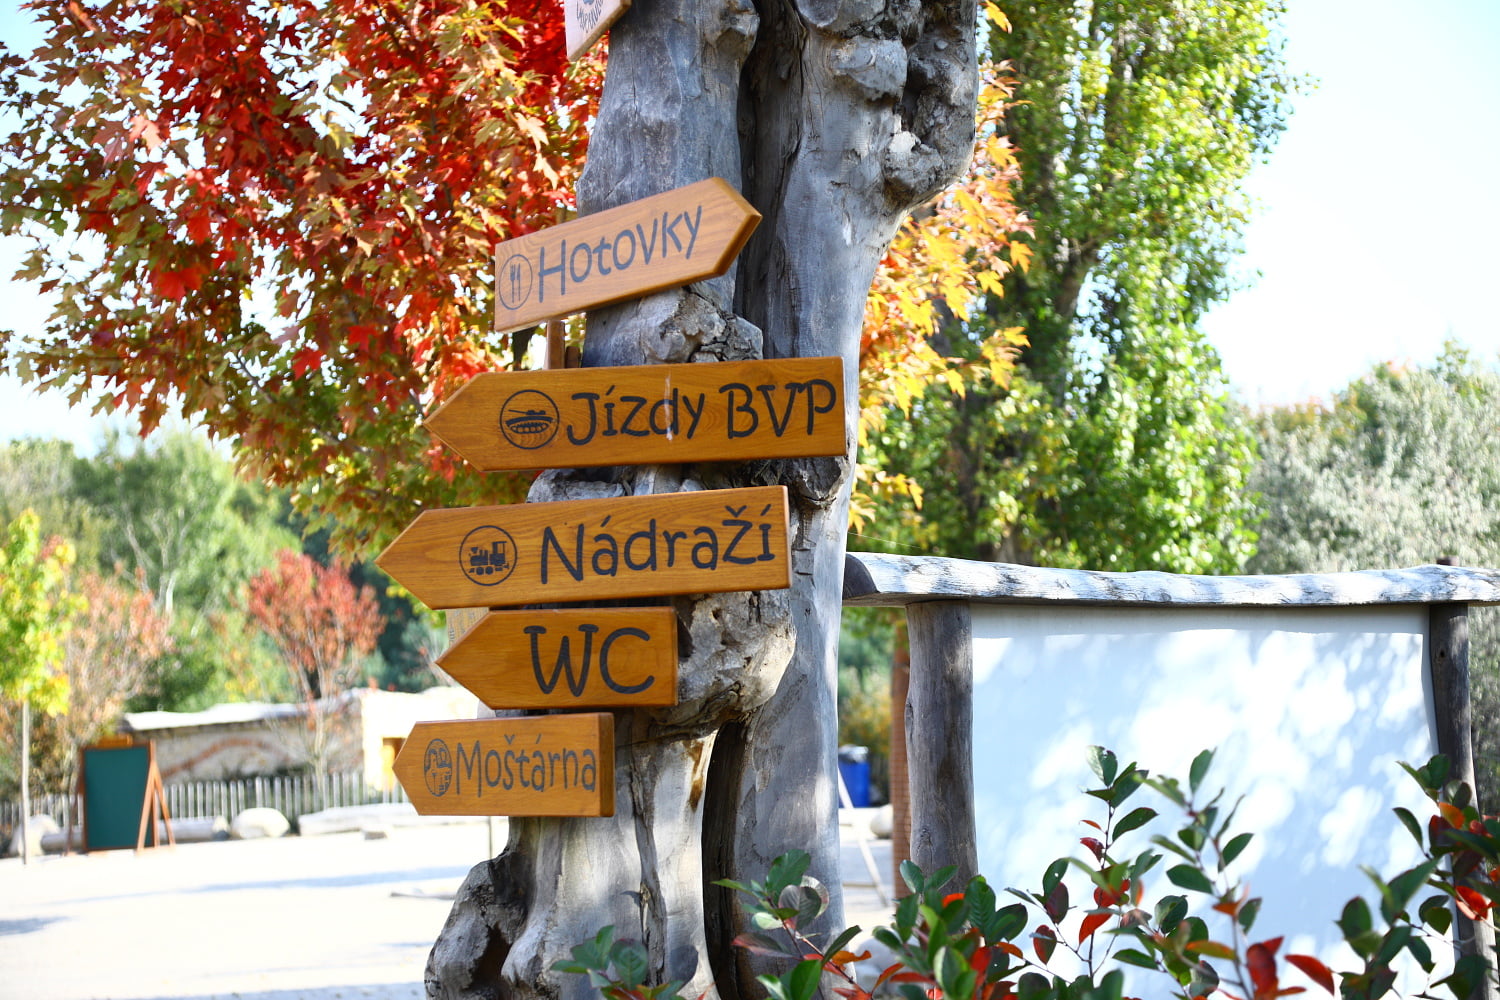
x,y
708,541
684,235
718,411
551,765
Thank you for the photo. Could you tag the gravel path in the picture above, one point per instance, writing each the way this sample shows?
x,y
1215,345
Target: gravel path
x,y
333,917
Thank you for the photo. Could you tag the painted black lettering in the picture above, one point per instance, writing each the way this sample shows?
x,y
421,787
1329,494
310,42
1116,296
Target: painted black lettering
x,y
492,757
599,255
564,661
671,539
550,544
470,766
765,544
692,228
669,231
638,402
573,754
647,248
588,263
606,559
740,401
589,398
648,535
539,771
590,774
696,415
560,270
667,409
729,556
521,759
604,674
615,250
710,549
768,392
813,407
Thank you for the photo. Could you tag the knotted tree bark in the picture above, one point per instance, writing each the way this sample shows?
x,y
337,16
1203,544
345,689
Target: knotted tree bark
x,y
835,118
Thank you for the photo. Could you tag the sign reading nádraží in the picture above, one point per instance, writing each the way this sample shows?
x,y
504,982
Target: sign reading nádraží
x,y
707,541
586,21
548,765
647,414
569,658
670,239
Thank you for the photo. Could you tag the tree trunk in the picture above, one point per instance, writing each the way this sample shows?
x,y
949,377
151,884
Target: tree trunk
x,y
835,118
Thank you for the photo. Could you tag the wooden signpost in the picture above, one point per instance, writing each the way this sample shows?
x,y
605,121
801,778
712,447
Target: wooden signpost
x,y
684,235
646,546
586,21
663,414
570,658
546,765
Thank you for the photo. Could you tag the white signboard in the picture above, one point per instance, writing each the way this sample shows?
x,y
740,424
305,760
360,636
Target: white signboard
x,y
1308,708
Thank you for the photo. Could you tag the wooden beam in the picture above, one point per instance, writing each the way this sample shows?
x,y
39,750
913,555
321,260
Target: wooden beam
x,y
879,580
940,738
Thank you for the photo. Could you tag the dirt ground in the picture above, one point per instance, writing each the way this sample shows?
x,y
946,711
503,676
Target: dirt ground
x,y
332,917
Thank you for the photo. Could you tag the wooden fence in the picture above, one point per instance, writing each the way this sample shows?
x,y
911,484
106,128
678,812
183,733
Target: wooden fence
x,y
291,795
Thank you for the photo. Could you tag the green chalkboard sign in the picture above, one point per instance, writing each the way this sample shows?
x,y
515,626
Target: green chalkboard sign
x,y
121,796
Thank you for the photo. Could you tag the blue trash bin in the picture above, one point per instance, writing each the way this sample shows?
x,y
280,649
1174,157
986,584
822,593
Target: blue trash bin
x,y
854,768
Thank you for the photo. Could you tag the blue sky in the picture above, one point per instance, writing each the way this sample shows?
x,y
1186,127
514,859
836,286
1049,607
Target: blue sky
x,y
1375,238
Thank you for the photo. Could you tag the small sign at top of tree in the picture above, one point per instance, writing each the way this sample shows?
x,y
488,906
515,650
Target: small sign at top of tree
x,y
588,20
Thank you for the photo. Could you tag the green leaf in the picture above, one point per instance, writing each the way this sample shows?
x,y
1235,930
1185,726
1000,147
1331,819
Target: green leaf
x,y
1137,958
1169,912
1410,822
1189,877
1436,913
912,876
1234,849
1134,820
1103,763
1248,912
1054,875
1204,980
802,981
1404,886
787,870
1468,972
1199,769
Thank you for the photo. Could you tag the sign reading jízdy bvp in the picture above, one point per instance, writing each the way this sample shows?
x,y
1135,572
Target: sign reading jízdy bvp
x,y
577,417
708,541
569,658
549,765
684,235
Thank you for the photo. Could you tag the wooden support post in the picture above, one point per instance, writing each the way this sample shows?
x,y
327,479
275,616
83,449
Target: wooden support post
x,y
900,781
1448,665
940,738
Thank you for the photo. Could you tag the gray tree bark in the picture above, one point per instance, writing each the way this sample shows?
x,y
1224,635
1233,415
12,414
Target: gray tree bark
x,y
835,117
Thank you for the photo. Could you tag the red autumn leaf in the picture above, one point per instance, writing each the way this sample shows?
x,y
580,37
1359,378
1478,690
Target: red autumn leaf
x,y
1473,905
1091,923
1094,846
951,897
842,957
168,284
1451,814
1011,949
1044,942
306,360
1261,961
1313,969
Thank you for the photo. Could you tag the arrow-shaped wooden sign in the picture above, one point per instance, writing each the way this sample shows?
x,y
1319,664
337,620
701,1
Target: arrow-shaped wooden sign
x,y
549,765
707,541
586,21
688,234
569,658
645,414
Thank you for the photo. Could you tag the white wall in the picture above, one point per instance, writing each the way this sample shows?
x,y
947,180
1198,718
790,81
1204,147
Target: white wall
x,y
1309,709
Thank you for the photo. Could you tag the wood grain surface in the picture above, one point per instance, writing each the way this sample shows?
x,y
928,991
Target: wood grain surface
x,y
569,658
547,765
670,239
586,21
708,541
647,414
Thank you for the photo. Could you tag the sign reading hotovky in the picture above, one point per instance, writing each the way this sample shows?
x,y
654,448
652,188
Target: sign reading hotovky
x,y
569,658
645,546
548,765
647,414
586,21
684,235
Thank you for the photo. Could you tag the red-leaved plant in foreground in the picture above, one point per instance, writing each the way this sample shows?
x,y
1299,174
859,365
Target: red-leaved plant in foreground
x,y
965,945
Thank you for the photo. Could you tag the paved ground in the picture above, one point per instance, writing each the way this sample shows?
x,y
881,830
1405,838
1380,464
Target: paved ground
x,y
332,917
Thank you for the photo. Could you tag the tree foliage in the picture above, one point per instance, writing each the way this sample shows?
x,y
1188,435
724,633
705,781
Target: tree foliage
x,y
1402,469
1114,446
35,609
277,217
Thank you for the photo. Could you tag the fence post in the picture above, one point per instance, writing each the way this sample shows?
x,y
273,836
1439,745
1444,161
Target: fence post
x,y
940,738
